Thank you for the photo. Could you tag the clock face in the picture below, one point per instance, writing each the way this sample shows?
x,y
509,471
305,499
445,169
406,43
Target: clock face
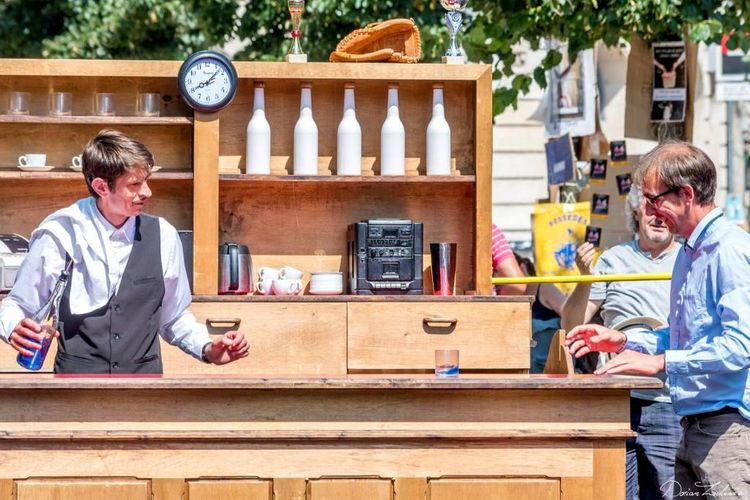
x,y
208,82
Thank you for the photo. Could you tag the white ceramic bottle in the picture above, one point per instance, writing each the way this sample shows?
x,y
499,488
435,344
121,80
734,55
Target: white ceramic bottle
x,y
349,138
258,146
438,136
392,138
305,136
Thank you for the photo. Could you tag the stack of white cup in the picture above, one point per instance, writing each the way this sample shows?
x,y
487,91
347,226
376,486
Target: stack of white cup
x,y
284,281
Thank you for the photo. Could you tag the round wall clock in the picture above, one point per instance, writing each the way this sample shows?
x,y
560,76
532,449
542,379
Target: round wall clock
x,y
207,81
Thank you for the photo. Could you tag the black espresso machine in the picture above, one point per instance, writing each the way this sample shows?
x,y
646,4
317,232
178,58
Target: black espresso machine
x,y
385,257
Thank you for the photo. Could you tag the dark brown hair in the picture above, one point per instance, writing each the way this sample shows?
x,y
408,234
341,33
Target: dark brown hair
x,y
110,154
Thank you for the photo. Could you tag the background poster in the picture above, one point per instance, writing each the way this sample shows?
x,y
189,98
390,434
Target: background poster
x,y
559,154
571,96
670,82
559,228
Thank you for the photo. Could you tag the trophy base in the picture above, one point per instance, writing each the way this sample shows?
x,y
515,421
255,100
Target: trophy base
x,y
454,59
296,58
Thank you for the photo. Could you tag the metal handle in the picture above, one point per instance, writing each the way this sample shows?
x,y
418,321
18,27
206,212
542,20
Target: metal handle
x,y
441,322
223,322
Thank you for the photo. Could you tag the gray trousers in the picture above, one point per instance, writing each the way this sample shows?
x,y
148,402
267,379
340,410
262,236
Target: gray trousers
x,y
713,459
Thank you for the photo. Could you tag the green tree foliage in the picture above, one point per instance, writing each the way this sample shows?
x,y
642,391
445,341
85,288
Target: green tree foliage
x,y
501,24
113,29
171,29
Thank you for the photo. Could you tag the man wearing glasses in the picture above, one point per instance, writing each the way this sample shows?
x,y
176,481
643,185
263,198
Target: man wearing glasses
x,y
705,350
649,457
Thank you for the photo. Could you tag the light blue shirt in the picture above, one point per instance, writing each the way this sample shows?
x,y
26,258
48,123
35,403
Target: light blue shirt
x,y
708,338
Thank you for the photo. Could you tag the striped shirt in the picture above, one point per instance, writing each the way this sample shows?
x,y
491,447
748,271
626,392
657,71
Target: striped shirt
x,y
501,250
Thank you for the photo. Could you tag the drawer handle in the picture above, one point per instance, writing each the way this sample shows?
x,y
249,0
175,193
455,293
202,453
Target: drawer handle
x,y
441,326
223,322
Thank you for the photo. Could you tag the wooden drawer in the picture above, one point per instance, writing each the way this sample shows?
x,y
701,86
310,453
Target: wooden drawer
x,y
285,339
404,336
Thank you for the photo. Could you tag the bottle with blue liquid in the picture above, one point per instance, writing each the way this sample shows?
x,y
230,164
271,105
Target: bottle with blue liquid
x,y
46,317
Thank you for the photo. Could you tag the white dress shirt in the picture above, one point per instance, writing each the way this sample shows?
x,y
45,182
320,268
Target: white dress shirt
x,y
100,254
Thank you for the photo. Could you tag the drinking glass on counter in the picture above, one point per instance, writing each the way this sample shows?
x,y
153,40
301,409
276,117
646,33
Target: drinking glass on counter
x,y
446,363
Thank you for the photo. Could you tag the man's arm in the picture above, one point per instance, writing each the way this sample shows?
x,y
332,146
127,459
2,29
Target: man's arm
x,y
578,309
178,326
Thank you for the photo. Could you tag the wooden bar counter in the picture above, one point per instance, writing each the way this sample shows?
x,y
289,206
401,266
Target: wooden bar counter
x,y
352,437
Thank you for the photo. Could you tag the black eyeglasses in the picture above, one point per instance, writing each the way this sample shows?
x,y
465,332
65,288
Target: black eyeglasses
x,y
654,200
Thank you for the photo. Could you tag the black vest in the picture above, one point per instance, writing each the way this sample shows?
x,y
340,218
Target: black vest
x,y
121,336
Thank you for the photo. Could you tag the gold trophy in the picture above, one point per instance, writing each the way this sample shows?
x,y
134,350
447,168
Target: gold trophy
x,y
295,54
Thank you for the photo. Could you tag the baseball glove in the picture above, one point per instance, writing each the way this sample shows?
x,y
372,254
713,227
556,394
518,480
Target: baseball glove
x,y
395,40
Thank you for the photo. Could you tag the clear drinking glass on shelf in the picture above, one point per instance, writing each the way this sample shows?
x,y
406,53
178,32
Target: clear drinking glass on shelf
x,y
104,104
61,104
18,103
149,104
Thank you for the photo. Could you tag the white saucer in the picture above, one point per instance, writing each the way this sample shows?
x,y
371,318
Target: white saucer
x,y
155,168
27,168
75,169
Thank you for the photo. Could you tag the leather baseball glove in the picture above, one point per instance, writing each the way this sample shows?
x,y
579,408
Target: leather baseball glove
x,y
395,40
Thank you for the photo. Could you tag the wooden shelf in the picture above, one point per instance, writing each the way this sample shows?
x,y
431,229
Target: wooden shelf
x,y
66,174
350,179
98,120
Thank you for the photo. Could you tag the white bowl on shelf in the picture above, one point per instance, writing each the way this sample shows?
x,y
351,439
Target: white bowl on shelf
x,y
326,283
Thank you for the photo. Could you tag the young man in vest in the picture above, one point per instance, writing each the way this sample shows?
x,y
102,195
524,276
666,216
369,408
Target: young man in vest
x,y
128,284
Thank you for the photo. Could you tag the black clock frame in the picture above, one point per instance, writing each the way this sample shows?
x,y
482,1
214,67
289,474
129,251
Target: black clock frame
x,y
215,57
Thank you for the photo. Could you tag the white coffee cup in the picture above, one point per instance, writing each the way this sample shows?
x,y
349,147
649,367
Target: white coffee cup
x,y
286,287
32,160
290,273
268,273
77,162
264,286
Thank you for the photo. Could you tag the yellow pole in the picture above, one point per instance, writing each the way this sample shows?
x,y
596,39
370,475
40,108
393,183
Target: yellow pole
x,y
591,278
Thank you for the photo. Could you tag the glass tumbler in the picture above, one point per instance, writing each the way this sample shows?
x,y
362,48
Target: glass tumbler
x,y
149,104
61,104
18,103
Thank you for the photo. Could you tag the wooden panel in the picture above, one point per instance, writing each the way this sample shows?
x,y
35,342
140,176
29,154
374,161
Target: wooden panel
x,y
77,489
351,489
206,199
483,198
285,339
171,146
609,464
25,203
282,110
384,459
410,488
304,224
230,488
494,489
396,336
289,488
6,489
169,489
577,488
